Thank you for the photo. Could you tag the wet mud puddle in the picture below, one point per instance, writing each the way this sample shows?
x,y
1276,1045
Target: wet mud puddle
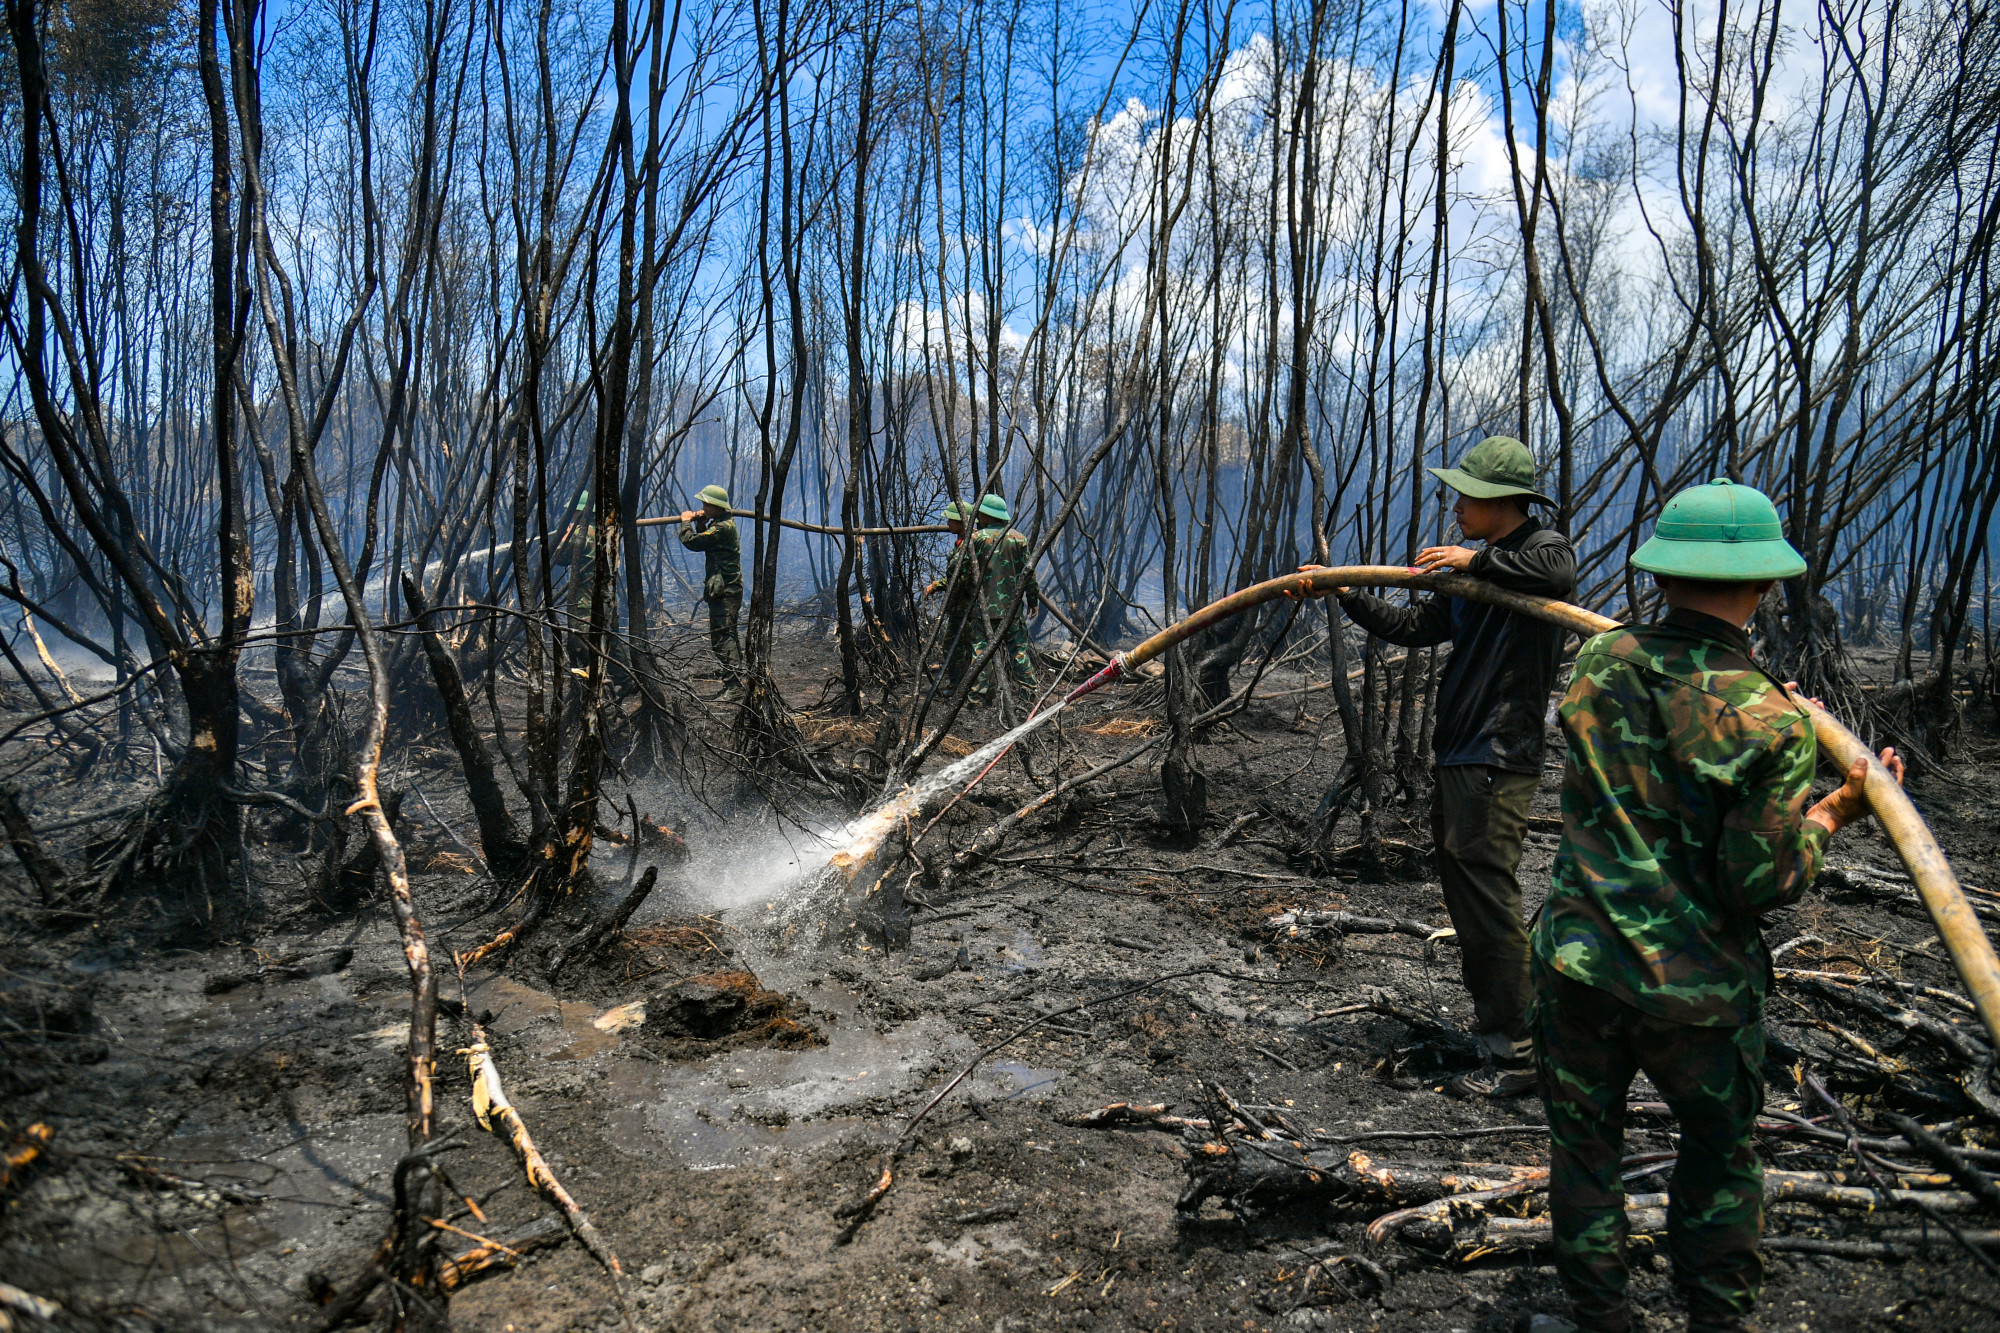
x,y
749,1107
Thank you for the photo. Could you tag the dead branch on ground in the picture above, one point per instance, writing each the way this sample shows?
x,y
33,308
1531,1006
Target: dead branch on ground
x,y
490,1104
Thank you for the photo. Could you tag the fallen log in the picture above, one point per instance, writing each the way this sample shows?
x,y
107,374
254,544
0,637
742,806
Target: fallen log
x,y
1788,1187
1974,1180
1294,925
1894,1243
1645,1216
1848,879
1257,1172
1968,1049
1432,1220
490,1104
1141,1115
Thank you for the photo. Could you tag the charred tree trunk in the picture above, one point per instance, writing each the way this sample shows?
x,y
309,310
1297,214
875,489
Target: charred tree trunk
x,y
499,838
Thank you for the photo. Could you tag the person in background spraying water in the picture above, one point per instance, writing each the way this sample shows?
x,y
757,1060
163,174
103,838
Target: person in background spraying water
x,y
960,586
1488,740
1684,822
1002,558
712,531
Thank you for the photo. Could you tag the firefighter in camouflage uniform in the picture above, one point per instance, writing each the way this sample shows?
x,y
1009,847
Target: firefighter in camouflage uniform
x,y
1684,821
712,531
960,586
1002,557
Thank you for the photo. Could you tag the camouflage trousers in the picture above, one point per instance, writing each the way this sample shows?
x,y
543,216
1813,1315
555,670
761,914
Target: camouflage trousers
x,y
1014,652
955,638
1588,1047
722,613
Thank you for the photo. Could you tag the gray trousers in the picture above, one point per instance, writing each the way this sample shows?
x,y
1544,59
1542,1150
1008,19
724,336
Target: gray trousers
x,y
1479,815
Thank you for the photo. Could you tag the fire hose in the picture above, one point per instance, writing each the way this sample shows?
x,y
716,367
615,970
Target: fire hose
x,y
668,520
1936,883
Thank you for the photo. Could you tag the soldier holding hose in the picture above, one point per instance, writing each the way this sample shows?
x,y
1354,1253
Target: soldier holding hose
x,y
1002,556
960,586
1488,740
1684,822
712,531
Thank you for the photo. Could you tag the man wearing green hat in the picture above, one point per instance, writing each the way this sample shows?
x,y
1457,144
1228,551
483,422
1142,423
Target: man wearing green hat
x,y
712,531
1488,737
960,586
1684,822
1001,555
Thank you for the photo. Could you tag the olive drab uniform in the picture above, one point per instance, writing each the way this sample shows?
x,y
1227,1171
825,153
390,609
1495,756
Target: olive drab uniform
x,y
721,588
1683,821
1002,556
960,630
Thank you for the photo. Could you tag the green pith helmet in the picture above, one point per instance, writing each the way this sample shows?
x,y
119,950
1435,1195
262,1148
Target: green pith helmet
x,y
954,512
992,506
1498,465
714,495
1721,531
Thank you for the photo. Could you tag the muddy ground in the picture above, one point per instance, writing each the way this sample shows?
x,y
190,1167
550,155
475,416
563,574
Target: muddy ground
x,y
225,1118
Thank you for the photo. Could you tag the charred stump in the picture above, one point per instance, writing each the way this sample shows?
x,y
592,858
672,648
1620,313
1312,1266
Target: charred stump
x,y
177,850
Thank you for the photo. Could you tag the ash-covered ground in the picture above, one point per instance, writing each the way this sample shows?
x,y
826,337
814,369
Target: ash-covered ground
x,y
225,1119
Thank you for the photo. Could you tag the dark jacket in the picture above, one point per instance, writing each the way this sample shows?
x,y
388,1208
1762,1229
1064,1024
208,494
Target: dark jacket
x,y
1494,693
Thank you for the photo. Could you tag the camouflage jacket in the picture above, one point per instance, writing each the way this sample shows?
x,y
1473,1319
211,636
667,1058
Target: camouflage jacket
x,y
960,583
722,558
1683,821
1003,554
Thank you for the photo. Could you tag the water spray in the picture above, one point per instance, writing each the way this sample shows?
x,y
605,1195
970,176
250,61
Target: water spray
x,y
868,901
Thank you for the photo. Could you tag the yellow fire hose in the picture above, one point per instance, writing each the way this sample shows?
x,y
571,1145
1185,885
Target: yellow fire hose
x,y
1937,885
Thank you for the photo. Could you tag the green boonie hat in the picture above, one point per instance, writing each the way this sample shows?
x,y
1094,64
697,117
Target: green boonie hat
x,y
954,512
1498,465
992,506
1721,531
715,495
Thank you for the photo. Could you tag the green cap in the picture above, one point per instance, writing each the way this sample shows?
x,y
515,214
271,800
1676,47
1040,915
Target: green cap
x,y
1721,531
1498,465
954,512
715,495
992,506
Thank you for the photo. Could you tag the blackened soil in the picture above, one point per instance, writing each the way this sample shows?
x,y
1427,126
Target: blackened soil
x,y
713,1143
